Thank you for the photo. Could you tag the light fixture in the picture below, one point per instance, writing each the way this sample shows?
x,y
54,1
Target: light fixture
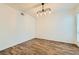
x,y
44,11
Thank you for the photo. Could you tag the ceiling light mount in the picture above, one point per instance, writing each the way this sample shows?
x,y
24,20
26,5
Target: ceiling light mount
x,y
44,11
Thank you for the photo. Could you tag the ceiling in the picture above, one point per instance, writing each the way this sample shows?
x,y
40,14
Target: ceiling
x,y
33,7
27,6
24,6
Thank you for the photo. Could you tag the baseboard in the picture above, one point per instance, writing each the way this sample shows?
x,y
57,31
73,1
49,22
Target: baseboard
x,y
16,43
37,38
60,42
55,39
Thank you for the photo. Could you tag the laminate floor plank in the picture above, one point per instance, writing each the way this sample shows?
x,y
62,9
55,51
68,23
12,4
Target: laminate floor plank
x,y
38,46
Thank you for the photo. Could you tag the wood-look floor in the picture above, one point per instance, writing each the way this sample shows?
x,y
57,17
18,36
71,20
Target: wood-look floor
x,y
41,47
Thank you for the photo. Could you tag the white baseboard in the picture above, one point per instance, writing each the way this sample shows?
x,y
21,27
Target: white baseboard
x,y
55,40
15,43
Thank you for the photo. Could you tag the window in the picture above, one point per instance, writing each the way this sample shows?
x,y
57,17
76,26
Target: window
x,y
77,27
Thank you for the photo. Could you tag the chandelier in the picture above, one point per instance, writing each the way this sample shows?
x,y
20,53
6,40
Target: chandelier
x,y
44,11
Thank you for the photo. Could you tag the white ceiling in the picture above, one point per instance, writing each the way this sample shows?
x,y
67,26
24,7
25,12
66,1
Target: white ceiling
x,y
36,5
24,6
33,7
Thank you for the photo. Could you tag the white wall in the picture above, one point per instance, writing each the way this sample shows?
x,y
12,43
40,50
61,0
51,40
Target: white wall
x,y
25,26
58,27
14,28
